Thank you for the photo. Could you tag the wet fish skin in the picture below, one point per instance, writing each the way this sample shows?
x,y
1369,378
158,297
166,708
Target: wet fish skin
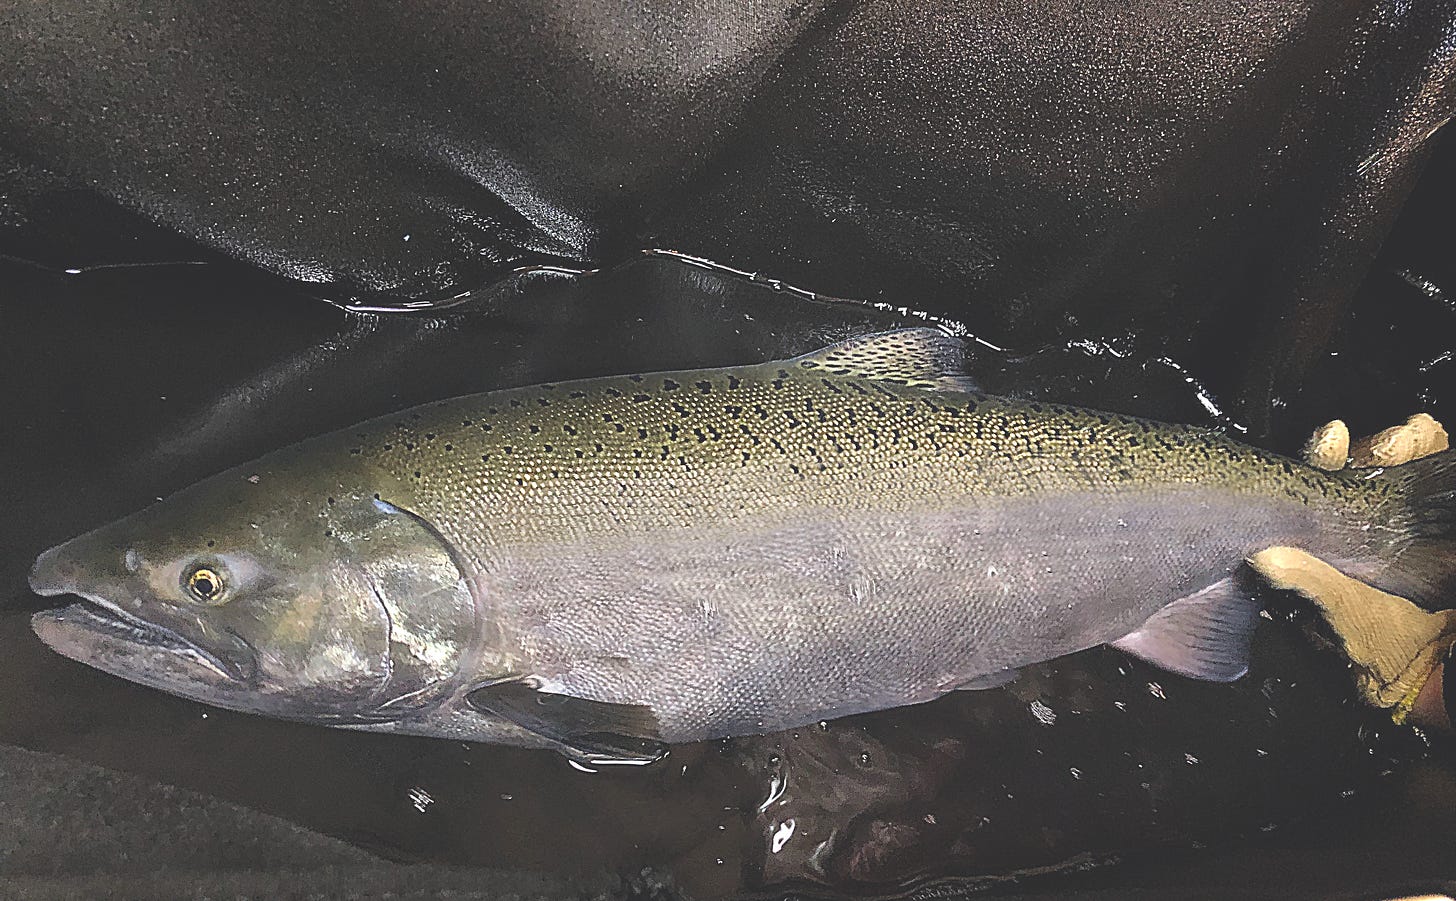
x,y
715,552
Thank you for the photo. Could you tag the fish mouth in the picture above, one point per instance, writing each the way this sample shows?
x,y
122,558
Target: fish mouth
x,y
92,630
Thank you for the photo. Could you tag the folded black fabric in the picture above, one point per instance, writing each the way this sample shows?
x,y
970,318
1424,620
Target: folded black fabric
x,y
1167,167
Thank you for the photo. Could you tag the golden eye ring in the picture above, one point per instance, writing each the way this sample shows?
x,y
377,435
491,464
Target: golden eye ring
x,y
205,585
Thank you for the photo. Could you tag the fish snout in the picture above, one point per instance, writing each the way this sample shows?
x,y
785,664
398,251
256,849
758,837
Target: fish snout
x,y
55,572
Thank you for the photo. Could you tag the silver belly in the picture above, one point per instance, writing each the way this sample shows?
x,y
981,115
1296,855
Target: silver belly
x,y
725,631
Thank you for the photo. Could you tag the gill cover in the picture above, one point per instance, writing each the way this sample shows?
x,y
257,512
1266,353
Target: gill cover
x,y
419,581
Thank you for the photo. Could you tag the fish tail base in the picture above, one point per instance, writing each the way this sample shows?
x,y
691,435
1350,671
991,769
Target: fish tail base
x,y
1422,566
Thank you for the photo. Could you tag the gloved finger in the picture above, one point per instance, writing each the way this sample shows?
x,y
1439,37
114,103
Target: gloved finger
x,y
1419,436
1329,447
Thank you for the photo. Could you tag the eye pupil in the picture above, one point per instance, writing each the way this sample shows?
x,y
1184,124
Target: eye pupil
x,y
205,584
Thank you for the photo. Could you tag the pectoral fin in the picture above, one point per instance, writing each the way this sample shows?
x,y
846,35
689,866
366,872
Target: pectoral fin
x,y
596,733
1205,635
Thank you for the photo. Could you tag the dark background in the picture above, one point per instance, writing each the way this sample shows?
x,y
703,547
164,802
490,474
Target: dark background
x,y
1153,208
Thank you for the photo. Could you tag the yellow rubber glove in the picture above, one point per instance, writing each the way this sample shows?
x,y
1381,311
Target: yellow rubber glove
x,y
1330,448
1393,644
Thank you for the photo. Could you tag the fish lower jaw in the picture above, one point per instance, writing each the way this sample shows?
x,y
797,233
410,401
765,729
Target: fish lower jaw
x,y
105,622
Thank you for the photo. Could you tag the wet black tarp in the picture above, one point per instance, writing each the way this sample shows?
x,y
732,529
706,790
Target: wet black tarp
x,y
1155,166
1159,208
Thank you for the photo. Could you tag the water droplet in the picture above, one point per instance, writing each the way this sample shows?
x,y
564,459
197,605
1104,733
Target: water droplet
x,y
782,834
777,784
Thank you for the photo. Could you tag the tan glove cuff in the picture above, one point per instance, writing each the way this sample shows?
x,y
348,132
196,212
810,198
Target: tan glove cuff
x,y
1400,693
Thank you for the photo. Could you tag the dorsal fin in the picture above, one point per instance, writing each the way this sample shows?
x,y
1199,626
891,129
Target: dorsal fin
x,y
918,357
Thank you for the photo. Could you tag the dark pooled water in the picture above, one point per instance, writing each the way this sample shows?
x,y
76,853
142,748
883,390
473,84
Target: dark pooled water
x,y
126,386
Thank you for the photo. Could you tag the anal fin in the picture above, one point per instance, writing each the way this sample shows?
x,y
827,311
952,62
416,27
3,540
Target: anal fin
x,y
596,733
1205,635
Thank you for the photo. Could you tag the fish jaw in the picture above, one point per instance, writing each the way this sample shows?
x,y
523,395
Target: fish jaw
x,y
158,658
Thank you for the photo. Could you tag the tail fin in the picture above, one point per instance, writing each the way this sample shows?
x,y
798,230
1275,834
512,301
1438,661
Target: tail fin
x,y
1423,518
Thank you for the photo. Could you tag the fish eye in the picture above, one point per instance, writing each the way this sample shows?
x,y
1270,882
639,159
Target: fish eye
x,y
205,584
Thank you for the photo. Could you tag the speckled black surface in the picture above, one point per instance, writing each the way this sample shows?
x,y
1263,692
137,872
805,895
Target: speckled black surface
x,y
1142,209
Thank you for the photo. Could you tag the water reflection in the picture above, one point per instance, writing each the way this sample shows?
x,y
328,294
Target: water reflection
x,y
1077,761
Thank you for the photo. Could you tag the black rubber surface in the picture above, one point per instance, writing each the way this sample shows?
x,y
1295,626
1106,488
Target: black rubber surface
x,y
1156,209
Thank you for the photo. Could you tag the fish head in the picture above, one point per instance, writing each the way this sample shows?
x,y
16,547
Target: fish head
x,y
259,591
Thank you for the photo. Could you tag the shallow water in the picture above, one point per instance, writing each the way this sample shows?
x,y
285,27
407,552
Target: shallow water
x,y
136,383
